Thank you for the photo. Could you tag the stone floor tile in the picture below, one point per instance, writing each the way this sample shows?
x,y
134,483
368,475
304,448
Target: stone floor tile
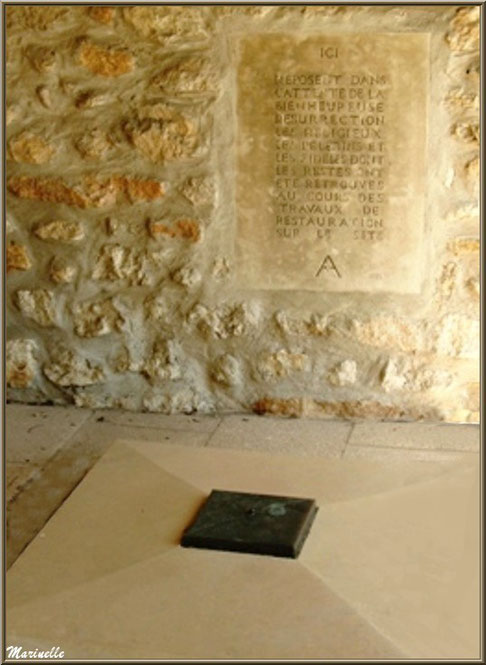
x,y
416,435
95,430
34,433
400,455
194,422
295,436
16,476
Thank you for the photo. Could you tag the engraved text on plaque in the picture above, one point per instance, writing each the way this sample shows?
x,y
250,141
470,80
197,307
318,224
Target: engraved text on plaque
x,y
331,161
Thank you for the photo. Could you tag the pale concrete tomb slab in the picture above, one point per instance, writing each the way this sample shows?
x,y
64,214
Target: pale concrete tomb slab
x,y
390,568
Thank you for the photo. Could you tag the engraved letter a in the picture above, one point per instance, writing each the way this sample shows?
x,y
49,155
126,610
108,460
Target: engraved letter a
x,y
328,264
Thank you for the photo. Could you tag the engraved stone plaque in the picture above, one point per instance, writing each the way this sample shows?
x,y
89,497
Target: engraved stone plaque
x,y
331,149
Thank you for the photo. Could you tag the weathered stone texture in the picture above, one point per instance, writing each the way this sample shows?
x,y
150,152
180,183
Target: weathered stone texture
x,y
473,286
373,410
60,230
70,369
42,58
91,193
344,374
17,258
90,99
61,271
282,363
163,364
448,279
187,229
44,95
183,401
227,321
105,61
221,268
464,34
253,11
117,262
101,14
122,127
96,319
291,408
31,149
157,309
226,370
315,324
464,245
38,305
392,377
21,364
472,171
457,336
406,374
460,100
31,17
199,191
187,276
473,396
194,75
389,332
11,114
160,133
94,144
468,132
168,25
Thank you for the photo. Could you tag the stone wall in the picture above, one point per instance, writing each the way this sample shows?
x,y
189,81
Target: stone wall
x,y
121,223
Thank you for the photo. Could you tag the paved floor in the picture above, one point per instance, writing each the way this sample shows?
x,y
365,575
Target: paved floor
x,y
50,449
390,568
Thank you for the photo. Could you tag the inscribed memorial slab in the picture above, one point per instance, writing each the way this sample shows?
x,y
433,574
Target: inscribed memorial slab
x,y
331,151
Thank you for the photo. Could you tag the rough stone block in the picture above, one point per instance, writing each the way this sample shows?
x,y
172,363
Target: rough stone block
x,y
69,369
21,364
94,319
38,305
464,34
60,230
167,25
31,149
17,258
292,408
107,62
187,229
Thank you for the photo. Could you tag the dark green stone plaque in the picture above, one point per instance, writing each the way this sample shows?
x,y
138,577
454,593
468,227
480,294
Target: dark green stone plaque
x,y
256,523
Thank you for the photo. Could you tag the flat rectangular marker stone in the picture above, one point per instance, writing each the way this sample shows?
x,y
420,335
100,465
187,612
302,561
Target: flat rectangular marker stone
x,y
331,151
254,523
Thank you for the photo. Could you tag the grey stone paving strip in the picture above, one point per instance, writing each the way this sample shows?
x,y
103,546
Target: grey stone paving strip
x,y
214,432
299,437
51,484
46,490
159,421
33,469
33,434
426,436
348,439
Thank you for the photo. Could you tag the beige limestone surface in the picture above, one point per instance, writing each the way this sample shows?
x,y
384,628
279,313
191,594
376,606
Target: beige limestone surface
x,y
332,161
48,450
128,179
389,570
